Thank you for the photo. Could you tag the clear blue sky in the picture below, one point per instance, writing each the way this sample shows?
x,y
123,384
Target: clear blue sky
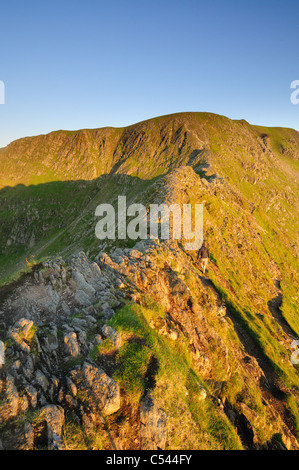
x,y
87,64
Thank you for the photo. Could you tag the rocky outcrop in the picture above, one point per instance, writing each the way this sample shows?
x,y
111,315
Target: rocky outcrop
x,y
102,392
153,425
54,417
42,345
22,332
56,364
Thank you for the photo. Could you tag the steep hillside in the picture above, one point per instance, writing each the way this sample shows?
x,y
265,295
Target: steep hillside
x,y
150,148
213,352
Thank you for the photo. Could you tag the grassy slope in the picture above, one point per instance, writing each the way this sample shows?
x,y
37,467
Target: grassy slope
x,y
201,424
58,215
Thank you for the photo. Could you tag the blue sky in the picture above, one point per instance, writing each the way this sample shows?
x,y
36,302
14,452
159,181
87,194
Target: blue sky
x,y
74,64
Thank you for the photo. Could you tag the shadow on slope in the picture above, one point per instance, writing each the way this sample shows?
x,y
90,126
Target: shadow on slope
x,y
51,218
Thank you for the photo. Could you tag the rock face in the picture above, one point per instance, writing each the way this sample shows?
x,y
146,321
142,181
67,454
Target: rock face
x,y
71,343
21,332
57,363
102,392
42,345
54,416
153,425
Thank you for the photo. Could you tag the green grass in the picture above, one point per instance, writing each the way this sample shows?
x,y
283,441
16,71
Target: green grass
x,y
132,363
175,379
263,337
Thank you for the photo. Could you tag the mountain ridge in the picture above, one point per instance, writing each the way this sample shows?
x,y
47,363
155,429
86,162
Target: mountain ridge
x,y
108,150
134,293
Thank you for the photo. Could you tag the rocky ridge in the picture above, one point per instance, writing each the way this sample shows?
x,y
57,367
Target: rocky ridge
x,y
51,369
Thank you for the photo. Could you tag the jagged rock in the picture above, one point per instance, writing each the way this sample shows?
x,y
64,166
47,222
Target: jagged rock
x,y
90,320
31,395
83,299
54,416
104,392
72,387
88,388
82,338
107,311
65,308
80,322
135,254
21,332
71,344
98,339
41,380
23,438
16,366
112,334
82,284
49,338
10,406
28,367
51,301
153,424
